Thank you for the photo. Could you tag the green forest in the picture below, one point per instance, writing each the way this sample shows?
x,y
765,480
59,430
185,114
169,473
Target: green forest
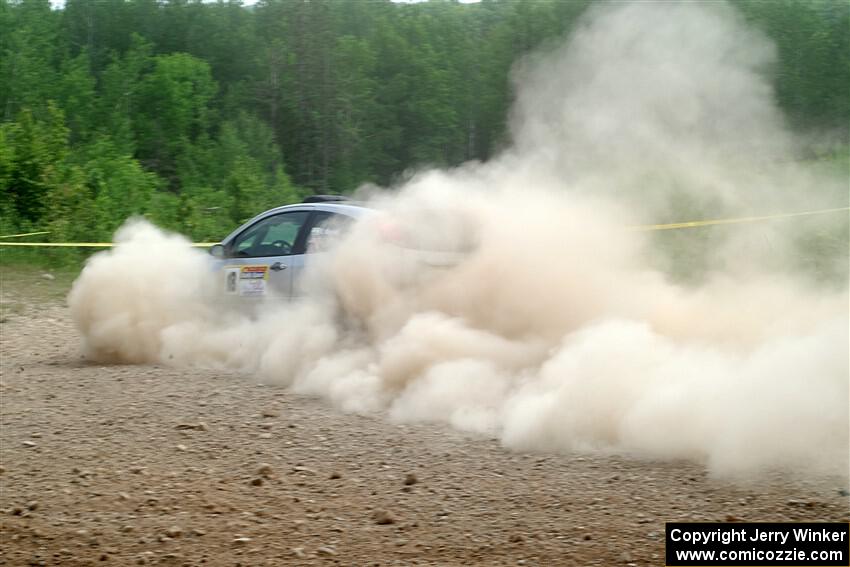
x,y
198,115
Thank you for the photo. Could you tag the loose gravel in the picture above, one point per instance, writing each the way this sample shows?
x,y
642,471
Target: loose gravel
x,y
151,465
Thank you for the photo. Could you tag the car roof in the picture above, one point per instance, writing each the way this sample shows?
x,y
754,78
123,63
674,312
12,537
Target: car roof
x,y
350,208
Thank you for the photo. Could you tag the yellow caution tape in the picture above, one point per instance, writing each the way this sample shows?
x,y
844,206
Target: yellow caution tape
x,y
668,226
25,234
87,244
696,224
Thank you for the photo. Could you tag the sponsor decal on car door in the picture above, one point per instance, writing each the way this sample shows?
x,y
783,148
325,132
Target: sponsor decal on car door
x,y
246,281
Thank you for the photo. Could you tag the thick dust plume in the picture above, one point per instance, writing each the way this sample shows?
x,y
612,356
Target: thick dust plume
x,y
525,304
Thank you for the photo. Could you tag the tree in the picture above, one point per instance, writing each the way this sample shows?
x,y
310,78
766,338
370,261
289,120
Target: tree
x,y
28,54
120,96
34,154
174,113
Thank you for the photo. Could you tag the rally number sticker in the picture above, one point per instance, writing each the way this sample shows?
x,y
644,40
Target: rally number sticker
x,y
246,281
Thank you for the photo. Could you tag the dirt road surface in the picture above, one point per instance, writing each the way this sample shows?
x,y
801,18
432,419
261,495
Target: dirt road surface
x,y
150,465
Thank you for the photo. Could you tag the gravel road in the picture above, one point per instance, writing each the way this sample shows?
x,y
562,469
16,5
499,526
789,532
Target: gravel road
x,y
147,464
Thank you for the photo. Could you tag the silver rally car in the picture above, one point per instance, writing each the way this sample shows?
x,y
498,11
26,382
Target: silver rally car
x,y
269,254
266,255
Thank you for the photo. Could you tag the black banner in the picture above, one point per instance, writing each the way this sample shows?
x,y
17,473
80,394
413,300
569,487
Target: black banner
x,y
761,544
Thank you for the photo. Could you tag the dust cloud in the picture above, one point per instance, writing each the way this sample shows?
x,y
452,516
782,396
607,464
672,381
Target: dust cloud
x,y
561,327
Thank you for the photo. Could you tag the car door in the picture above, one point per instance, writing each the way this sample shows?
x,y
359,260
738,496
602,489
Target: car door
x,y
263,258
323,231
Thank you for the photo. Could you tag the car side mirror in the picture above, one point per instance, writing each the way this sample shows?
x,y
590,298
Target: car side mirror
x,y
217,251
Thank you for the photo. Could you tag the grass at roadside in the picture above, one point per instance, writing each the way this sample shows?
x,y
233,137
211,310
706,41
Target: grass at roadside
x,y
25,286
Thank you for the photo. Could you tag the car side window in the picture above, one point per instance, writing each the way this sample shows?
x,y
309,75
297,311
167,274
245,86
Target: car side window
x,y
272,236
326,230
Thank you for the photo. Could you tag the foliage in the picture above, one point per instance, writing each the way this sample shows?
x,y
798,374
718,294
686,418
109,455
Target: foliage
x,y
200,114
